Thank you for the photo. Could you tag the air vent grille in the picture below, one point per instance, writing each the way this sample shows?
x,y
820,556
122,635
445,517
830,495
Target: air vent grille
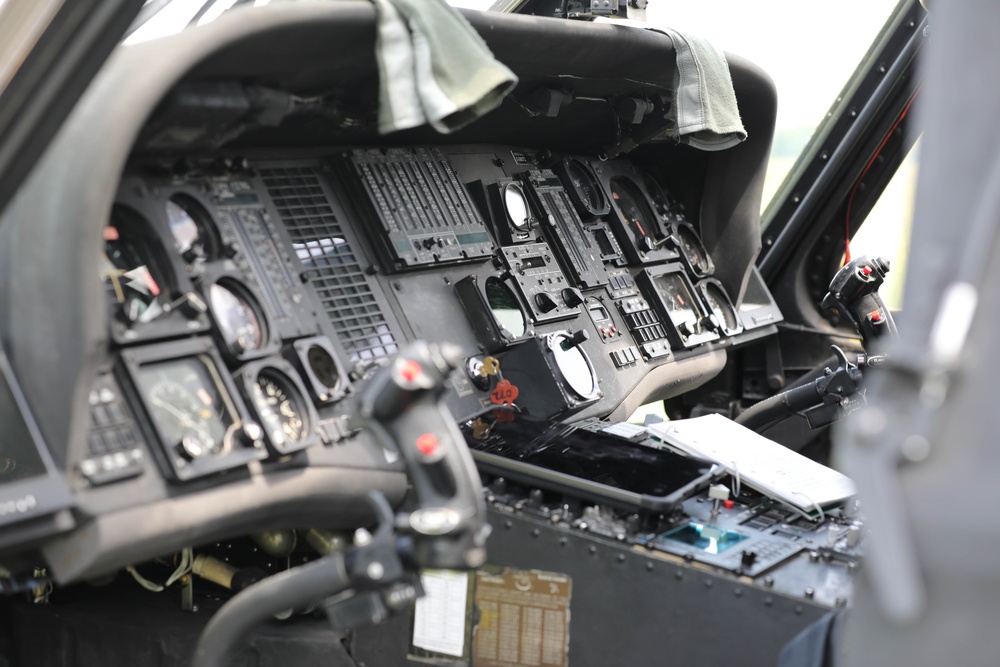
x,y
332,265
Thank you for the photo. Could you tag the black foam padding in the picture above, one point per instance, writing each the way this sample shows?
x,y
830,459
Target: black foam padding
x,y
126,625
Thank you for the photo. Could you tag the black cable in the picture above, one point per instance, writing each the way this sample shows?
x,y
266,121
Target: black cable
x,y
815,373
766,413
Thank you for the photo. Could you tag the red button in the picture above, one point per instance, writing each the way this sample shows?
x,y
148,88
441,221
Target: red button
x,y
410,370
428,444
728,504
875,315
867,270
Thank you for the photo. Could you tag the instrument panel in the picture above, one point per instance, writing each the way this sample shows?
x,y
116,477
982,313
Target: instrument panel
x,y
247,296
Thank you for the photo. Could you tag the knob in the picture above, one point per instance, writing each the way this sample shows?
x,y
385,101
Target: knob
x,y
545,302
572,296
192,447
574,340
250,435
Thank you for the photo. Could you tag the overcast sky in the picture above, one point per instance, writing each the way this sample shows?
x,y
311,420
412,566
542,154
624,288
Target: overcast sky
x,y
809,48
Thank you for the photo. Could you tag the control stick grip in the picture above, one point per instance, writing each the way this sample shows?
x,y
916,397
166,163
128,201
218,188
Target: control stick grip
x,y
402,407
854,293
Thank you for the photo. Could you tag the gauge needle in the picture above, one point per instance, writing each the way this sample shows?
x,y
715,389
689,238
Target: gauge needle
x,y
639,225
182,418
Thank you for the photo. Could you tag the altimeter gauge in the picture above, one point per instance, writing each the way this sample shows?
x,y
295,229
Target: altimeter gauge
x,y
278,399
721,307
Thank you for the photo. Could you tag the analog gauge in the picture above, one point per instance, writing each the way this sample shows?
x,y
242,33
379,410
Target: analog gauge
x,y
186,405
130,269
638,217
192,228
721,307
323,366
505,307
319,370
585,190
664,203
680,303
574,365
516,205
240,321
692,250
280,408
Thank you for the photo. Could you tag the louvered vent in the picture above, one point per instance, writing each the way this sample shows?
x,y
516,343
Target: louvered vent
x,y
332,265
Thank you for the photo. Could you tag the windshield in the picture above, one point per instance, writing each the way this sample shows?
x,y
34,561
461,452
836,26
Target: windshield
x,y
808,49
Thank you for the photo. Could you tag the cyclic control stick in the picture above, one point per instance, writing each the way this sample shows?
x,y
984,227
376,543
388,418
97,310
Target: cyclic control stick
x,y
854,293
401,406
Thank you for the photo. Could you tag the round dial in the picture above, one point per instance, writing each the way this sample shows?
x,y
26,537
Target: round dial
x,y
187,406
280,408
130,269
323,367
587,189
192,229
721,307
574,365
680,303
695,253
517,207
637,214
239,320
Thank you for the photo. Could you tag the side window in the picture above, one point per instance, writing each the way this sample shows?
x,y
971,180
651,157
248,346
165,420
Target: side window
x,y
886,230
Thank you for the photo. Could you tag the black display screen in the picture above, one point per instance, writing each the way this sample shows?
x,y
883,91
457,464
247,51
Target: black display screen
x,y
592,456
30,486
19,456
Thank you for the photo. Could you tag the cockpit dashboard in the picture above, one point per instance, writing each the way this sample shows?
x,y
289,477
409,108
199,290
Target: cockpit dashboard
x,y
223,266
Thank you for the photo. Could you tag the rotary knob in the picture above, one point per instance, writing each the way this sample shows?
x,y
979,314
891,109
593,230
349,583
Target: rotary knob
x,y
545,302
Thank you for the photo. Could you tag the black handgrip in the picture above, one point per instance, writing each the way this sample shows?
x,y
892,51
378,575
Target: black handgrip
x,y
760,416
402,407
854,293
